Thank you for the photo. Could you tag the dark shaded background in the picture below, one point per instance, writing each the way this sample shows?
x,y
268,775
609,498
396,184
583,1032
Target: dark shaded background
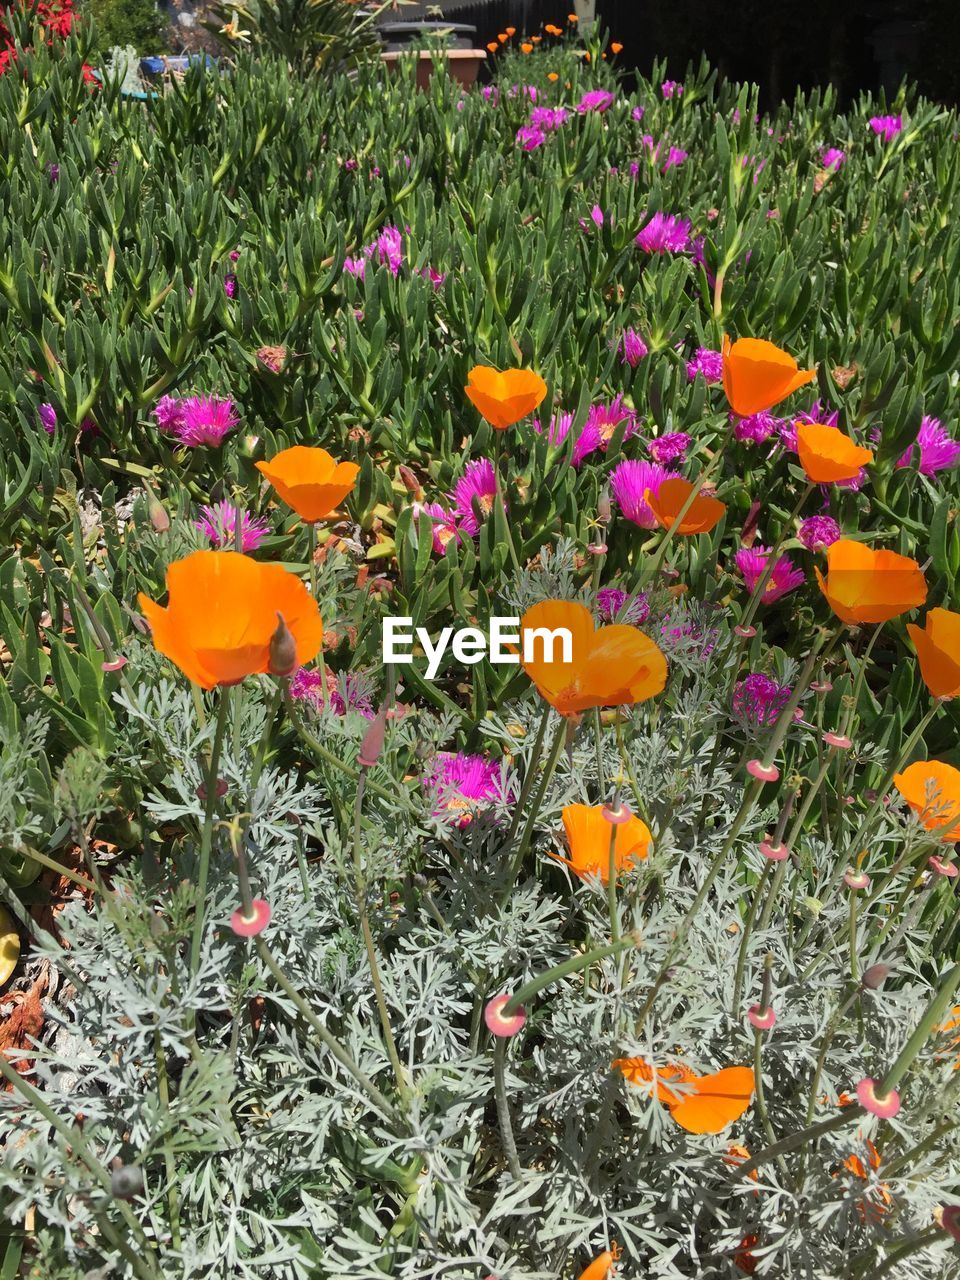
x,y
853,44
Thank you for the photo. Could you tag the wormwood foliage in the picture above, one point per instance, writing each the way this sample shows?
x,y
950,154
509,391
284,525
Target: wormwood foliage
x,y
324,1099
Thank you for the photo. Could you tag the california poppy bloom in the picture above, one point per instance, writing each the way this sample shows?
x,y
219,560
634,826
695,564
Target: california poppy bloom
x,y
526,47
511,31
880,1203
616,47
707,1104
223,613
553,30
309,480
602,1266
938,649
552,76
493,46
827,455
588,839
503,398
932,790
610,667
757,375
865,586
703,515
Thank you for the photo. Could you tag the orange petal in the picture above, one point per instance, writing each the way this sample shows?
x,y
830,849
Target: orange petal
x,y
932,790
827,455
705,513
757,375
715,1101
938,651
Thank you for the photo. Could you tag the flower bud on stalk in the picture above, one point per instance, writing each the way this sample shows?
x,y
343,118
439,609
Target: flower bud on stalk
x,y
283,650
158,513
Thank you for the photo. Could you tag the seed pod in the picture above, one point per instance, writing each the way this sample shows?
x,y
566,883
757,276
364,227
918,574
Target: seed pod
x,y
158,513
283,650
876,976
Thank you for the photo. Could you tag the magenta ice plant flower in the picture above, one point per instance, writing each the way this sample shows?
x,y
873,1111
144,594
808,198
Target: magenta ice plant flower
x,y
756,428
630,481
600,426
665,233
205,421
707,362
833,158
529,137
48,418
758,700
938,450
818,532
671,447
614,605
886,127
349,692
168,412
559,428
637,114
219,525
752,563
632,348
461,784
444,524
549,118
595,100
476,488
671,89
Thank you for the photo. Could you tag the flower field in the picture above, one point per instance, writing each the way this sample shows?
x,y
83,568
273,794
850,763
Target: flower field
x,y
636,958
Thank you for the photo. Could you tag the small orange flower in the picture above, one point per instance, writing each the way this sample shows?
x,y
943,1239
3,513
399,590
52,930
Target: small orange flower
x,y
222,613
493,46
610,667
602,1266
526,47
588,838
932,790
535,39
708,1104
503,398
757,375
881,1202
737,1155
744,1257
865,586
616,47
827,455
704,513
938,649
552,76
309,480
553,30
952,1024
586,57
503,37
572,17
511,31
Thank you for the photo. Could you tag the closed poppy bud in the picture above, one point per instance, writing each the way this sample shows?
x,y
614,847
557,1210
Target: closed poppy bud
x,y
309,480
126,1182
864,586
938,648
603,508
874,977
283,650
827,455
703,514
158,513
410,481
373,740
503,398
757,375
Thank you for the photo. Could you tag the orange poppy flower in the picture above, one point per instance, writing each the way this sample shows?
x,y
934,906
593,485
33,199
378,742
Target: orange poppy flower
x,y
938,649
222,614
616,47
737,1155
708,1104
704,513
951,1024
744,1257
526,47
865,586
588,838
610,667
309,480
535,39
827,455
511,31
503,398
602,1266
876,1207
503,37
572,17
932,790
493,46
552,76
553,30
757,375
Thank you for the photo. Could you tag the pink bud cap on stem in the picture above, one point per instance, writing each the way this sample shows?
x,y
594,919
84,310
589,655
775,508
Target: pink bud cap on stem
x,y
775,852
116,665
616,815
247,926
856,879
762,772
762,1019
839,740
745,633
500,1024
886,1107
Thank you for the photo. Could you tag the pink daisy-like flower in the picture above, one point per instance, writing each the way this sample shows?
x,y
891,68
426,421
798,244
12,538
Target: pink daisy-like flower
x,y
219,524
671,89
758,700
248,926
230,285
549,118
632,348
168,412
206,420
476,487
675,158
938,451
629,481
707,362
460,785
355,266
444,524
389,249
885,1107
832,159
752,563
595,100
757,428
349,692
665,233
637,114
499,1023
886,127
559,428
614,605
671,447
818,532
600,426
436,278
529,137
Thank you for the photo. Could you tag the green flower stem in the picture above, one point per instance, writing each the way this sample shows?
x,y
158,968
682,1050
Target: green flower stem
x,y
702,479
52,865
169,1164
329,1041
859,682
549,768
206,834
768,569
598,747
852,926
745,939
868,1263
934,1015
582,961
762,1101
503,1108
361,900
530,773
798,1139
502,464
141,1260
612,885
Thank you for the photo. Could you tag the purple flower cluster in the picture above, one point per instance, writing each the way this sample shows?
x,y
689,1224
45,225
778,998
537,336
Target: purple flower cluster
x,y
671,89
196,420
665,233
549,118
707,362
757,428
461,784
219,525
388,248
818,532
598,430
348,692
758,700
614,605
671,447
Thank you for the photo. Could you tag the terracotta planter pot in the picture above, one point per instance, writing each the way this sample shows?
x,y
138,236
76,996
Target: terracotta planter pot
x,y
462,64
